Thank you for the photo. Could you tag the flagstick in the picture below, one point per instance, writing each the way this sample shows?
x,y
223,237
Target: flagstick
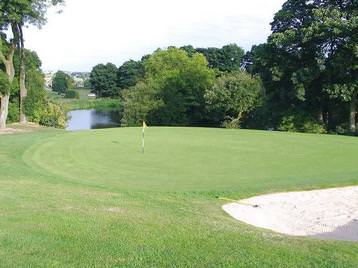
x,y
143,140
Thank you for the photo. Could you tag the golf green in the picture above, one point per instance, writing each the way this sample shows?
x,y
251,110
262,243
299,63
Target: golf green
x,y
93,199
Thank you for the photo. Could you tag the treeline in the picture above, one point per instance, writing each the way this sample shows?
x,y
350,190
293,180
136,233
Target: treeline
x,y
303,79
181,86
309,68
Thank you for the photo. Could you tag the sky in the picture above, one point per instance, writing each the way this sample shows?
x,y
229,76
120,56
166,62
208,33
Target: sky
x,y
89,32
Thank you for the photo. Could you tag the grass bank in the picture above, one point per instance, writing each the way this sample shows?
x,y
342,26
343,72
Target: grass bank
x,y
92,199
85,102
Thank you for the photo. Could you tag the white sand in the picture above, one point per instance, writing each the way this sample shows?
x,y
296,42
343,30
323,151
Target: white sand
x,y
311,213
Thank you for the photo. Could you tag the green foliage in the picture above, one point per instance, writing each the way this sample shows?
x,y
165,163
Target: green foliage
x,y
180,82
301,122
36,104
39,109
130,73
33,62
72,94
103,79
13,112
34,79
309,61
4,84
87,83
62,82
227,59
138,102
233,96
26,12
54,116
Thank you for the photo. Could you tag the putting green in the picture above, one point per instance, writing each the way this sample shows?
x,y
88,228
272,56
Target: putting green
x,y
91,199
187,159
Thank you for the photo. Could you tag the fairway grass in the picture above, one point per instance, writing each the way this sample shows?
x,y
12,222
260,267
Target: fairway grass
x,y
92,199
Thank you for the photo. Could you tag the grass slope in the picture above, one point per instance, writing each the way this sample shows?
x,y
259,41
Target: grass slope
x,y
84,102
92,199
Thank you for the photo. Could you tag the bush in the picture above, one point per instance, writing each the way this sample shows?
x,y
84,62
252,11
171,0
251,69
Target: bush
x,y
40,110
14,112
301,122
35,104
72,94
54,116
232,97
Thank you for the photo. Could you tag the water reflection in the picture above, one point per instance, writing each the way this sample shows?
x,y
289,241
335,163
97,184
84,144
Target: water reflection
x,y
92,119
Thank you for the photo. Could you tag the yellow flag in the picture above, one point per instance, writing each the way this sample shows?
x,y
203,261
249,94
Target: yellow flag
x,y
144,125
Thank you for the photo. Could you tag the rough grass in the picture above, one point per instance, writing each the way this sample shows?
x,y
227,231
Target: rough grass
x,y
92,199
84,102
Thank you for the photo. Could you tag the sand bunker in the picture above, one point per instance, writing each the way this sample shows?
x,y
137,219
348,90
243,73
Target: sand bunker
x,y
331,213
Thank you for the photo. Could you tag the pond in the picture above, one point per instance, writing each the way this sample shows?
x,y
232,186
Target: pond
x,y
93,119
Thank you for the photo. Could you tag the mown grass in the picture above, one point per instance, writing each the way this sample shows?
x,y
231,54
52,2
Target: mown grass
x,y
91,199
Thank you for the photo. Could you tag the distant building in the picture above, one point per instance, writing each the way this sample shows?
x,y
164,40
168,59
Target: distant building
x,y
79,78
48,79
79,82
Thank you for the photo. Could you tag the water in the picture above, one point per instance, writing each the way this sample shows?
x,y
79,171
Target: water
x,y
92,119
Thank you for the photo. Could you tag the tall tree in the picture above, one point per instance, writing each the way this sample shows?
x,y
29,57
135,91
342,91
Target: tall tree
x,y
62,82
334,30
18,14
104,80
7,59
130,73
310,56
180,82
228,58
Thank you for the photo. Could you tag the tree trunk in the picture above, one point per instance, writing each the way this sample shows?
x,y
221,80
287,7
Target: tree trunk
x,y
22,74
8,61
23,93
352,114
4,108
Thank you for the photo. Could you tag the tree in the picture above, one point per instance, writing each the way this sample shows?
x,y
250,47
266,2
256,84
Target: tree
x,y
130,73
180,82
4,98
232,96
138,101
62,82
308,63
87,84
334,30
228,58
7,51
17,14
103,79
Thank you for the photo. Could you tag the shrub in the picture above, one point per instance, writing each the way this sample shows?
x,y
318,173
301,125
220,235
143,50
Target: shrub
x,y
301,122
232,97
41,110
35,104
14,112
72,94
54,116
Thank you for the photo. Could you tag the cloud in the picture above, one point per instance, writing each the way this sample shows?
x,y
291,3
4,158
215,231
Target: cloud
x,y
91,32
